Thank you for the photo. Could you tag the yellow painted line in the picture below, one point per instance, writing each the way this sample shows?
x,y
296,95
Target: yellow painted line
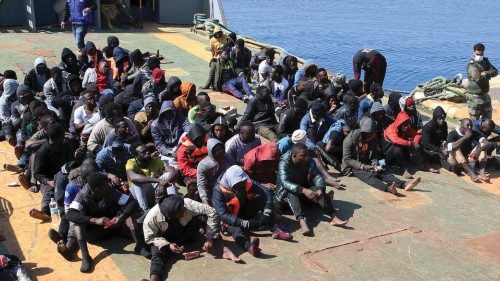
x,y
191,46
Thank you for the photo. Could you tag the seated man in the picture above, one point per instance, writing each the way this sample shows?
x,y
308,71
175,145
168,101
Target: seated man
x,y
290,118
330,147
286,143
83,114
17,110
111,161
261,164
316,122
401,141
98,212
144,118
487,144
210,168
192,149
206,115
104,128
156,84
407,104
463,145
221,130
149,178
266,65
36,77
223,77
124,133
50,157
260,111
241,56
277,85
167,130
194,112
175,221
349,111
361,159
240,144
376,94
242,205
299,179
434,135
392,107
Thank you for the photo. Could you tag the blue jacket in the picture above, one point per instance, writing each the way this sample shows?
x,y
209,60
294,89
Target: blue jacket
x,y
166,133
337,126
315,131
74,11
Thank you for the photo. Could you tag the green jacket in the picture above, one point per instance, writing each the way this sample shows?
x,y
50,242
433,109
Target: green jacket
x,y
292,178
215,75
480,85
351,156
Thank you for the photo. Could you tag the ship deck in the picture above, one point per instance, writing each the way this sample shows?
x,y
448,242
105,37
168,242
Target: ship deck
x,y
447,229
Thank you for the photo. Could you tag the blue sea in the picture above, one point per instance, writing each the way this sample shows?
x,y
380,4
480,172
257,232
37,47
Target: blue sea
x,y
420,39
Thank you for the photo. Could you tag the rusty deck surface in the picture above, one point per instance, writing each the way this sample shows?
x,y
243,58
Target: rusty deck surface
x,y
447,229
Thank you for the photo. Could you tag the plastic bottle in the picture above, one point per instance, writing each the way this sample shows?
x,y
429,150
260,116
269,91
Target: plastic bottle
x,y
54,211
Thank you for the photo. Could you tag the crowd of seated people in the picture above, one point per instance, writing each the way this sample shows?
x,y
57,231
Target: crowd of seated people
x,y
113,140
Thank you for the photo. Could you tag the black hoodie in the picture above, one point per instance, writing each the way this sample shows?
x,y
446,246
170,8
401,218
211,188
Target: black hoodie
x,y
433,135
63,65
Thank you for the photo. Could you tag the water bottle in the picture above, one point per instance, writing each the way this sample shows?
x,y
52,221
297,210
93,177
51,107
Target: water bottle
x,y
54,211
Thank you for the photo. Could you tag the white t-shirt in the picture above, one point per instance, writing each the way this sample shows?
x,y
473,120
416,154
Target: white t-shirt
x,y
264,68
81,117
282,87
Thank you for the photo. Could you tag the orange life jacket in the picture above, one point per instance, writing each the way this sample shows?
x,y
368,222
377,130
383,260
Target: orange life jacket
x,y
232,201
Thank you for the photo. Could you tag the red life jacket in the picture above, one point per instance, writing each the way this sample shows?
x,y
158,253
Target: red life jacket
x,y
232,201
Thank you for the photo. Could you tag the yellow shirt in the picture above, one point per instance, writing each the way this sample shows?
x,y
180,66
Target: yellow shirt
x,y
216,44
156,168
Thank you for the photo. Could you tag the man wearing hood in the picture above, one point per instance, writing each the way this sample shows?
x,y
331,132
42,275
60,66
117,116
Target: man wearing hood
x,y
192,149
217,41
434,135
7,99
392,107
36,77
373,63
382,121
54,86
173,89
210,168
290,119
138,65
401,140
361,158
299,180
408,105
261,164
65,101
112,43
167,130
220,130
144,119
187,99
312,93
175,221
479,73
149,178
122,63
260,111
290,68
91,55
12,127
223,77
240,144
69,64
243,205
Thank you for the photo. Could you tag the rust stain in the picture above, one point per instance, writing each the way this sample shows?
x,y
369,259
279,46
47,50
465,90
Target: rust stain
x,y
485,246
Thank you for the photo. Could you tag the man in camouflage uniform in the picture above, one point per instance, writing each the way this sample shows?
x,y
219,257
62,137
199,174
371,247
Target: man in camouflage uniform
x,y
479,72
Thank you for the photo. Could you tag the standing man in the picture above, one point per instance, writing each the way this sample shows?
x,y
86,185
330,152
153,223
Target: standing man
x,y
479,73
374,65
79,12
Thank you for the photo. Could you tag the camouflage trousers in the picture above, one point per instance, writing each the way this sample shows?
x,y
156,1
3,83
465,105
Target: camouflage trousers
x,y
479,105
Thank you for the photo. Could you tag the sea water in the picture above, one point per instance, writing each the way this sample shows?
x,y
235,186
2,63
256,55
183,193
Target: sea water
x,y
420,39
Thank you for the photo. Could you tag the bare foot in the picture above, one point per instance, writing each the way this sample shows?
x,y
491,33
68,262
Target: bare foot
x,y
484,177
411,184
392,189
407,175
474,178
432,170
229,255
304,229
337,222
